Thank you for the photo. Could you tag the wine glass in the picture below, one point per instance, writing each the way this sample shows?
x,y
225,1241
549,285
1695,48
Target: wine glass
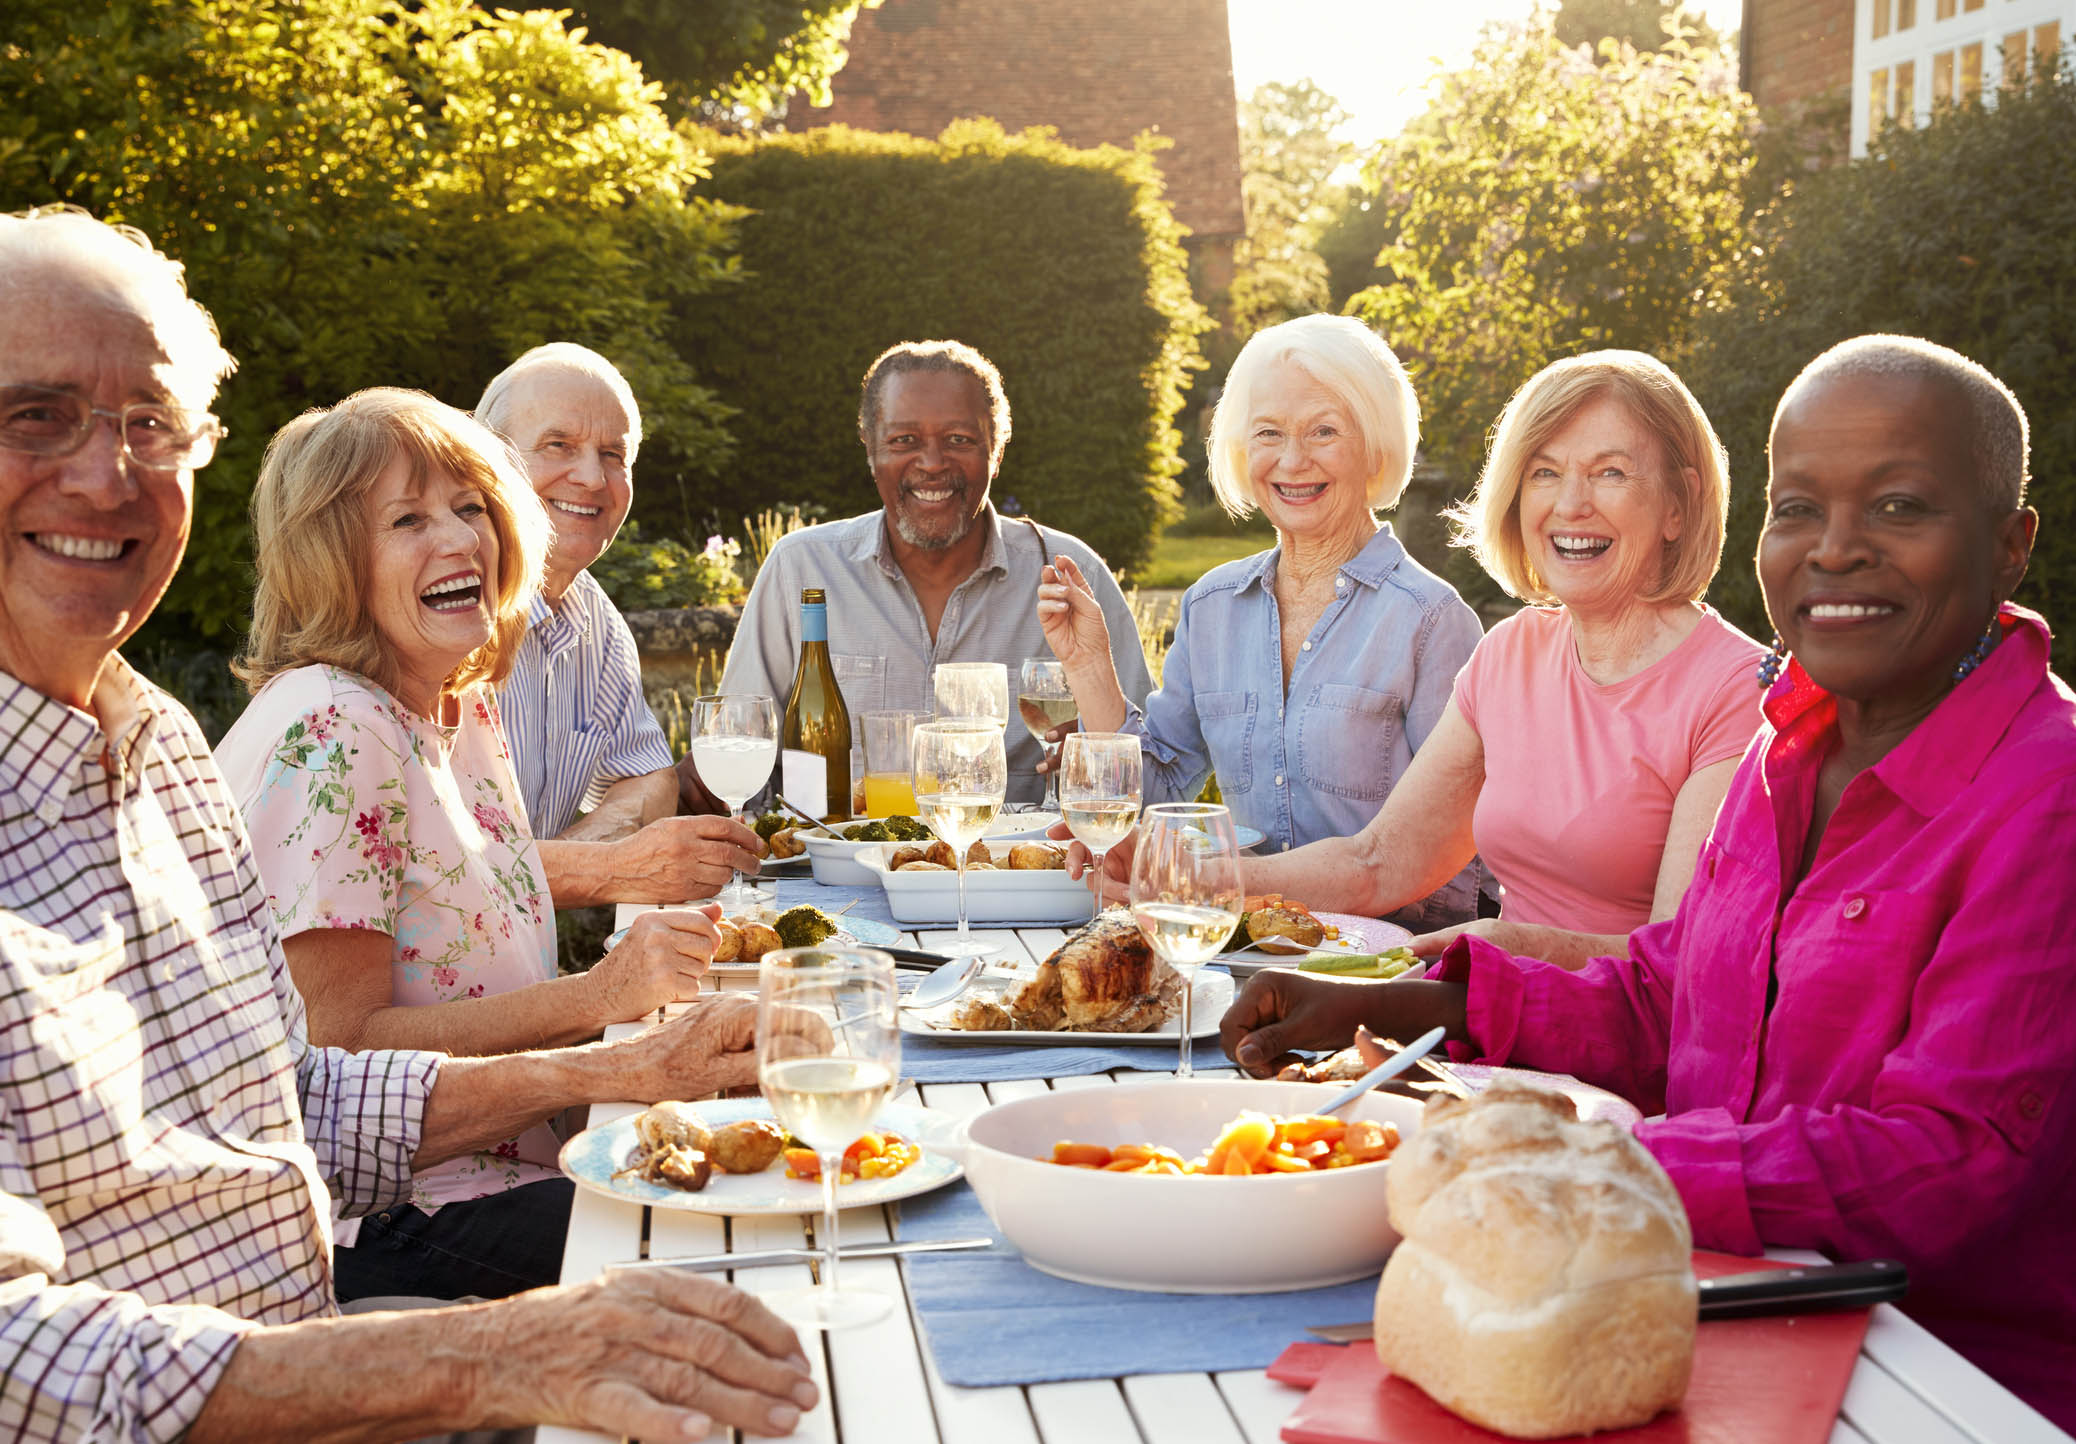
x,y
961,775
972,689
1044,702
734,748
1186,891
828,1055
1099,790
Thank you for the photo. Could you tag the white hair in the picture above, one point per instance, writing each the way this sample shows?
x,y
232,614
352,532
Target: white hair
x,y
1352,362
1998,440
568,358
124,268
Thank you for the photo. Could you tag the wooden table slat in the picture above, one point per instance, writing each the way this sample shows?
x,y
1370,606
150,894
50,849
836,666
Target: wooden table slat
x,y
1259,1403
1081,1411
1181,1409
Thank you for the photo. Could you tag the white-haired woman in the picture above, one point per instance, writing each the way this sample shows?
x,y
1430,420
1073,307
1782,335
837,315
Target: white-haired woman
x,y
1307,676
1591,739
398,548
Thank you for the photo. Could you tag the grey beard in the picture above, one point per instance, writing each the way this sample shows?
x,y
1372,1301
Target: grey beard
x,y
930,541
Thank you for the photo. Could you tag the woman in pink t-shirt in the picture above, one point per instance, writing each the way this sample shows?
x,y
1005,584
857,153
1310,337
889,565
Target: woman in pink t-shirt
x,y
1591,736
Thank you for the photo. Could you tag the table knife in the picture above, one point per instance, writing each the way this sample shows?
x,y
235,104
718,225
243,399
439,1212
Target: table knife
x,y
1803,1290
707,1263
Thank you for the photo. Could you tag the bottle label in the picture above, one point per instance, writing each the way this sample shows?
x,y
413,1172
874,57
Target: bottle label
x,y
814,623
804,778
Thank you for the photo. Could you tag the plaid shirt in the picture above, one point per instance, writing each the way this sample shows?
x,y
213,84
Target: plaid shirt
x,y
166,1134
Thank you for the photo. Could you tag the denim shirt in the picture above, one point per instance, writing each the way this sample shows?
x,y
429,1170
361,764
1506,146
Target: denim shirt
x,y
1370,684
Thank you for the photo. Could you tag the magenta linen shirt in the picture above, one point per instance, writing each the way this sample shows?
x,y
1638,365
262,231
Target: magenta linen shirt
x,y
1908,1091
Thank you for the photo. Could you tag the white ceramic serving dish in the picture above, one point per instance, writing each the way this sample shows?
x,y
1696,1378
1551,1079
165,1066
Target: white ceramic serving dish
x,y
1037,897
837,860
1264,1234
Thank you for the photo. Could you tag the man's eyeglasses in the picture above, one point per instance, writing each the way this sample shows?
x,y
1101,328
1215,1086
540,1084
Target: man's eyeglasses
x,y
45,422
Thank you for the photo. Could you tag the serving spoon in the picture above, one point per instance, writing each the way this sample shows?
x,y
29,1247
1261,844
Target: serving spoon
x,y
944,982
1390,1068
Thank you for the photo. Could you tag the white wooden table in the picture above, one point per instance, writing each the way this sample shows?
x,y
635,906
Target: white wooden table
x,y
880,1382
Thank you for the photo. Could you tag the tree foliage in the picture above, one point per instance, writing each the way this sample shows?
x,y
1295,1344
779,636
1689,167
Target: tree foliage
x,y
367,192
1289,151
1550,202
1956,232
735,59
1064,266
1640,24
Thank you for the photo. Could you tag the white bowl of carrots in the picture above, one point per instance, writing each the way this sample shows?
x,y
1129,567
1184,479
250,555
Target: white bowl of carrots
x,y
1285,1208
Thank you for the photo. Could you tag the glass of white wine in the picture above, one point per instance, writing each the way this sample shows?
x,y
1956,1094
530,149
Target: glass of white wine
x,y
828,1055
1186,891
972,689
961,775
1044,701
1099,790
734,748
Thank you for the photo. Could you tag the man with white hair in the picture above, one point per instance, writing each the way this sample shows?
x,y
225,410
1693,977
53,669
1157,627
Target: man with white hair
x,y
170,1144
579,728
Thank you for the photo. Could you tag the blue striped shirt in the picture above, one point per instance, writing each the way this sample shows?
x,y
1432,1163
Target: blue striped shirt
x,y
573,708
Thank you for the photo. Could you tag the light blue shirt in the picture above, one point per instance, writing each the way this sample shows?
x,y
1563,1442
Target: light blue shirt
x,y
574,713
1366,690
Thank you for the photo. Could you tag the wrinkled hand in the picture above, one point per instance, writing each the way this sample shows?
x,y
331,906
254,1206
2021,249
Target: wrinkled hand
x,y
1115,883
661,960
712,1045
1050,744
655,1354
1281,1010
1073,619
677,859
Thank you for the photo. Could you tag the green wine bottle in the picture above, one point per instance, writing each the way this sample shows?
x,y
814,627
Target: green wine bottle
x,y
815,767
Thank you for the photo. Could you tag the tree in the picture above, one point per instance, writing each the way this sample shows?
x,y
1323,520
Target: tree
x,y
1547,204
369,194
729,60
1641,24
1289,152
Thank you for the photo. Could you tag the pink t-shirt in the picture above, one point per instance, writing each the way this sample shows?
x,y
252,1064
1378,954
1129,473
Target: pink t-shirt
x,y
1580,778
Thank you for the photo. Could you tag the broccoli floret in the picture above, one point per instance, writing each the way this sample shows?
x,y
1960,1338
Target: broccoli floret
x,y
804,926
907,829
874,831
771,822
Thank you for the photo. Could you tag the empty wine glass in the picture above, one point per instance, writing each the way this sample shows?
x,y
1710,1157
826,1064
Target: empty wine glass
x,y
1186,891
961,775
734,748
1044,701
828,1055
972,689
1099,790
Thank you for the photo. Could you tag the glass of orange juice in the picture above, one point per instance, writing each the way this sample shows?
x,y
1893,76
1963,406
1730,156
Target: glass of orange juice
x,y
889,763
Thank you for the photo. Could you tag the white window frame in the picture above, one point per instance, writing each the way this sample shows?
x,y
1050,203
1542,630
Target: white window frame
x,y
1930,36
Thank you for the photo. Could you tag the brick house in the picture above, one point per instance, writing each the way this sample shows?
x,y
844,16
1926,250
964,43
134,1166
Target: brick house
x,y
1895,59
1096,70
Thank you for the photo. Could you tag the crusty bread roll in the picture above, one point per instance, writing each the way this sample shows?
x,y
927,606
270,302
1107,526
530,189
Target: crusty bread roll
x,y
1545,1285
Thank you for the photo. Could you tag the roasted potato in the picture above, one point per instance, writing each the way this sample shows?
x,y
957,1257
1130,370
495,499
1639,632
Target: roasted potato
x,y
981,867
1281,921
1036,857
671,1125
920,866
786,843
978,853
750,1146
685,1168
757,940
729,948
903,856
940,853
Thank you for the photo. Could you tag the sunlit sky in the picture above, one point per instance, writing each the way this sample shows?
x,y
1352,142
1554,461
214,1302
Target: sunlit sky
x,y
1373,56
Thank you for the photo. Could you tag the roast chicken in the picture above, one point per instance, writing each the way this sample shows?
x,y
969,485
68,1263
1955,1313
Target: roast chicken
x,y
1103,979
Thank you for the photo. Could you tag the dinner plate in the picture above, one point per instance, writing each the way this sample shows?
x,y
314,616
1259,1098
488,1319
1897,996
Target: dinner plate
x,y
1596,1105
1246,837
850,931
1210,995
595,1155
781,866
1357,935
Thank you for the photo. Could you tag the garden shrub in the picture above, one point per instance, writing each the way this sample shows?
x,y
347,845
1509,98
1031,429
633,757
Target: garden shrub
x,y
1064,266
645,575
1963,232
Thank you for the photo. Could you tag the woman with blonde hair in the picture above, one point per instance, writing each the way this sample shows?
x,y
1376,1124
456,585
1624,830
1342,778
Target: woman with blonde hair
x,y
1592,735
1305,677
398,547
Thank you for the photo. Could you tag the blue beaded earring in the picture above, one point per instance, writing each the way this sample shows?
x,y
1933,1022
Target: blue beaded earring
x,y
1983,644
1772,662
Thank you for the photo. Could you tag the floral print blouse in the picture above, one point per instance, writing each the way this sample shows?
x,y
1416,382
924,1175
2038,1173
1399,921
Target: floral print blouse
x,y
364,815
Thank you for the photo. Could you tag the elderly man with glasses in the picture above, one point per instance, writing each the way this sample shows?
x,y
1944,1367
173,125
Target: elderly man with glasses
x,y
170,1145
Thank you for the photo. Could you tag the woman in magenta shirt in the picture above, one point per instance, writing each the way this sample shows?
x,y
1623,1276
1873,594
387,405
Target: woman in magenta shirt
x,y
1861,1026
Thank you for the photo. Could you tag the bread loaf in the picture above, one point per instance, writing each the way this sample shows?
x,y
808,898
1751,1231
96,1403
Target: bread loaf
x,y
1545,1285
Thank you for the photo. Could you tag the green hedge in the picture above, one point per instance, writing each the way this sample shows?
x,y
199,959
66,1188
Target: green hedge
x,y
1064,266
1963,232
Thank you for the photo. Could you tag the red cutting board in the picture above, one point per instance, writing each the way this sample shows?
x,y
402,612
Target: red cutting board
x,y
1778,1379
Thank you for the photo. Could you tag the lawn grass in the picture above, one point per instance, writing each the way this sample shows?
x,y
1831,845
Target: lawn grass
x,y
1201,539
